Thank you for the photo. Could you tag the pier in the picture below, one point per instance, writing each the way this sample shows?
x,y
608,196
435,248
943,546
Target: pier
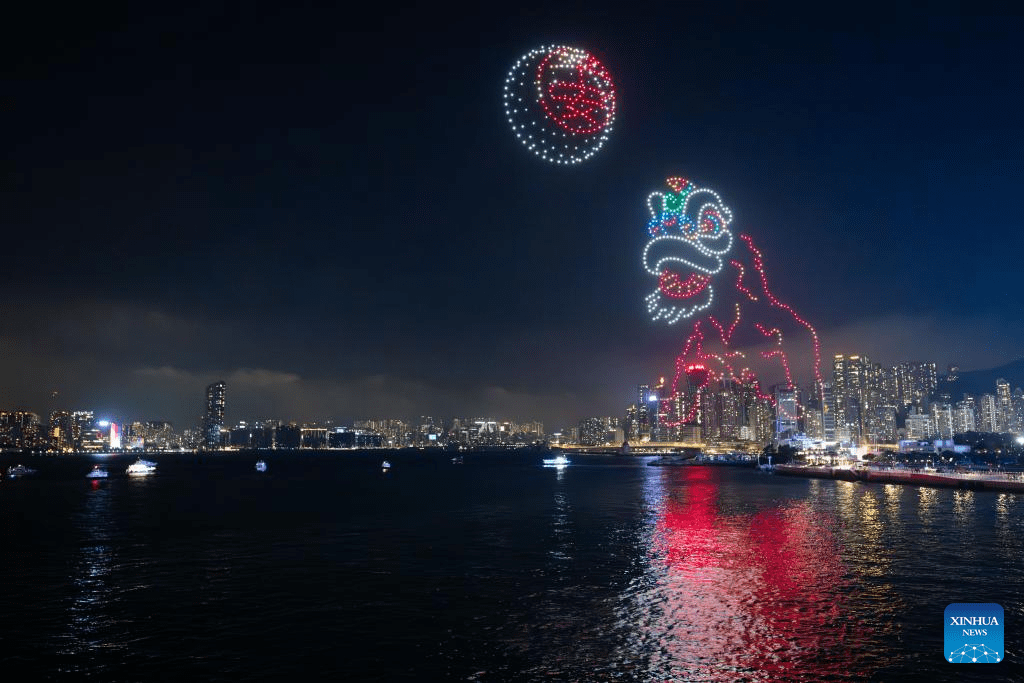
x,y
977,481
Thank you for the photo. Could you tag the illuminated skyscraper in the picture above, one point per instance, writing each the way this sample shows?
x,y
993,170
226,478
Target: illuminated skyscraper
x,y
1005,404
646,411
61,431
853,388
213,422
964,417
828,412
19,429
82,425
915,382
988,413
786,411
942,418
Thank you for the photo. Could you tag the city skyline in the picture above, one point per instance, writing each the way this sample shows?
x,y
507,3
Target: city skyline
x,y
860,406
263,203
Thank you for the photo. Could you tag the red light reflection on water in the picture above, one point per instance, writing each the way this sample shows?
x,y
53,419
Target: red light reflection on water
x,y
746,596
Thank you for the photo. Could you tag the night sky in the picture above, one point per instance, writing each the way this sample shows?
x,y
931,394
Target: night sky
x,y
326,207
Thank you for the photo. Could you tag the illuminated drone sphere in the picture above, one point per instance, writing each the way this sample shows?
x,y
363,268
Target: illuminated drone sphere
x,y
560,102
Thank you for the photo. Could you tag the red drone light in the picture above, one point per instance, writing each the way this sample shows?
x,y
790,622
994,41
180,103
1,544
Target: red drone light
x,y
576,91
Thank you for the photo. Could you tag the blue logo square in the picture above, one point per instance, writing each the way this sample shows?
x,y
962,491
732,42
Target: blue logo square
x,y
974,633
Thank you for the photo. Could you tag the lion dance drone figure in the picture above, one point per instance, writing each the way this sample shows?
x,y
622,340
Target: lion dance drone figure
x,y
706,277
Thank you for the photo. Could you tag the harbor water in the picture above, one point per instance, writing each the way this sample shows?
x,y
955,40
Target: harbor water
x,y
493,569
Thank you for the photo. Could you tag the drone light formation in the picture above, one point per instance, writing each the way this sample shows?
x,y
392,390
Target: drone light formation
x,y
560,102
689,243
689,236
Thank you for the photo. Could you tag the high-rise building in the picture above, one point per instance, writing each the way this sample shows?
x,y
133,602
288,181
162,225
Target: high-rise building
x,y
83,425
1017,425
919,425
964,418
854,388
61,431
786,411
646,410
813,425
942,418
1005,404
213,421
19,429
988,413
828,412
885,424
591,431
915,382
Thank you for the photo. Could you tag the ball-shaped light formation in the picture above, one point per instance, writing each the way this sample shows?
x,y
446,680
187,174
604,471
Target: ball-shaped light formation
x,y
560,102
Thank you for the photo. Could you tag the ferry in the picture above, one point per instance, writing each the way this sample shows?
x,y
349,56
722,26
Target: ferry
x,y
141,468
385,466
261,466
15,471
97,472
560,461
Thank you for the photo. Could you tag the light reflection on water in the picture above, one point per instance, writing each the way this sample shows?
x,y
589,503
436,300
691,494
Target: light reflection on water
x,y
499,570
93,597
758,596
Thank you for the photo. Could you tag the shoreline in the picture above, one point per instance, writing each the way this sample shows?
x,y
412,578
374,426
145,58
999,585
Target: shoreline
x,y
972,481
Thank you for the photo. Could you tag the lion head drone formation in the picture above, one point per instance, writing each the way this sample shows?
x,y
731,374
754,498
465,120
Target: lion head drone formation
x,y
716,282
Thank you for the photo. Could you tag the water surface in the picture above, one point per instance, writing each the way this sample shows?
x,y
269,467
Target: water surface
x,y
496,569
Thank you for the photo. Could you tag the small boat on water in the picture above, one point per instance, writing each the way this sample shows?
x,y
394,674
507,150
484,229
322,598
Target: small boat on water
x,y
385,465
97,472
141,468
261,466
457,460
560,461
19,471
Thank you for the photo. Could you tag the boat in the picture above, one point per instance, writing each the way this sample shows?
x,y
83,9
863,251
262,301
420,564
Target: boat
x,y
261,466
560,461
141,468
19,471
97,472
457,460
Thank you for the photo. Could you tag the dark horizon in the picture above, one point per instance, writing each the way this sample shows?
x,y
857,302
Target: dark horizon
x,y
330,213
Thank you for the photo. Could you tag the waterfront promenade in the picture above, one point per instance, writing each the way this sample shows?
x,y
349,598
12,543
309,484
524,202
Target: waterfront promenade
x,y
1011,482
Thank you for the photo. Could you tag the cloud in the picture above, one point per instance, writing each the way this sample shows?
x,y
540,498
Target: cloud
x,y
977,342
253,377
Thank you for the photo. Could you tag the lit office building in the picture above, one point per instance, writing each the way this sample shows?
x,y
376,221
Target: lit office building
x,y
787,415
591,431
61,433
828,413
213,420
19,429
1004,402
